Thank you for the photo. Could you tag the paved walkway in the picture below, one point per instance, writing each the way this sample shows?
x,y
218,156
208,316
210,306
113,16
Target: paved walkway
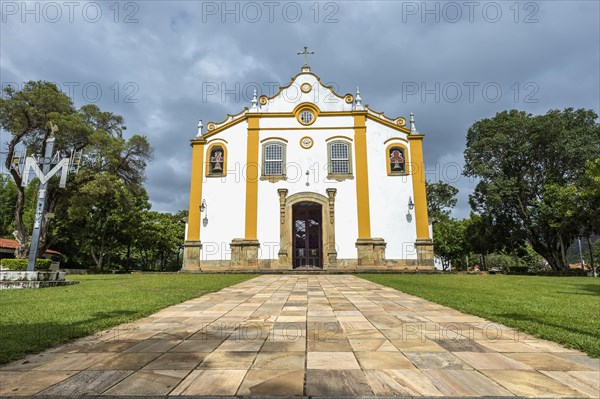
x,y
326,335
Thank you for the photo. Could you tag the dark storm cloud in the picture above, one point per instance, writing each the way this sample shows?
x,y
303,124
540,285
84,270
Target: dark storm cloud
x,y
158,64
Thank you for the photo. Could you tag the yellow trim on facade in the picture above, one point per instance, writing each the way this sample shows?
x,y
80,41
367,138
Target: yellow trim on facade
x,y
306,107
395,138
252,177
312,142
274,138
308,128
225,126
417,168
338,137
193,233
292,114
209,149
217,139
362,175
388,124
406,160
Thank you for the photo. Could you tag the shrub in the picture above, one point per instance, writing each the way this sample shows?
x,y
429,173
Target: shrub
x,y
21,264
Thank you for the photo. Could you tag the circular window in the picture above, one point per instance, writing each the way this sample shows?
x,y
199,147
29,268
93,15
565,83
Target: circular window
x,y
306,117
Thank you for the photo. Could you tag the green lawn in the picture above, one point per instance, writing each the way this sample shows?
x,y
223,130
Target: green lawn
x,y
561,309
33,320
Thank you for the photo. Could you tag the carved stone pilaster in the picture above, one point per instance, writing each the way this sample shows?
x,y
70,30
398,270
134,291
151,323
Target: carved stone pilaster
x,y
282,195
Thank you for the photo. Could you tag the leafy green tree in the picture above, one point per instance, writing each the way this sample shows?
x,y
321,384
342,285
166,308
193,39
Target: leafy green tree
x,y
100,215
530,168
27,115
449,242
441,198
159,240
8,198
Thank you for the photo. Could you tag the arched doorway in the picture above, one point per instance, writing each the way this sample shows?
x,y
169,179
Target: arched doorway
x,y
307,235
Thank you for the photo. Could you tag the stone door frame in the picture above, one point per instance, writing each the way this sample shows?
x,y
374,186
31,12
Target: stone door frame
x,y
329,251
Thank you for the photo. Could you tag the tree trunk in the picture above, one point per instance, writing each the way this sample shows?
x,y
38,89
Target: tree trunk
x,y
592,263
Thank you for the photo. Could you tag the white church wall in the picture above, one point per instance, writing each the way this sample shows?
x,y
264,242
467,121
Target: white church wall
x,y
389,196
299,160
225,197
319,95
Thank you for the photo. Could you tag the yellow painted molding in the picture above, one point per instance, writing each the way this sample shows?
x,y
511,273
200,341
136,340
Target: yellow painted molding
x,y
306,107
252,177
395,138
362,176
209,149
308,128
193,233
274,138
338,137
388,124
217,139
406,160
417,168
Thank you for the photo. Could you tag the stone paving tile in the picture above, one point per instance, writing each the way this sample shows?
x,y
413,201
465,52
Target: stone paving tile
x,y
74,361
30,362
125,361
87,383
337,383
177,361
280,361
491,361
273,383
401,383
372,345
331,361
546,361
153,345
383,360
228,360
436,360
17,383
465,383
587,386
148,382
299,335
531,383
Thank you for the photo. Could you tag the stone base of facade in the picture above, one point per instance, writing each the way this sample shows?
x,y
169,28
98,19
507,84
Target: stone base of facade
x,y
425,255
191,256
370,251
244,253
370,258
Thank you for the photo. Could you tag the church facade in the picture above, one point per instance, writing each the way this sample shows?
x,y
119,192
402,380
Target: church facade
x,y
308,179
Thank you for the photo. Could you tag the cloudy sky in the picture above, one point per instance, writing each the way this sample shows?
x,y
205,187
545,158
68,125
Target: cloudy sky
x,y
165,64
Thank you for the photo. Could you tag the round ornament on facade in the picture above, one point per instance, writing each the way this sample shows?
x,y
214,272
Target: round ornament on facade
x,y
306,142
306,87
210,126
349,98
401,121
263,100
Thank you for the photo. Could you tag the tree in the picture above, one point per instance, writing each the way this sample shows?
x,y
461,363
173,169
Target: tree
x,y
102,213
441,198
449,242
8,198
529,169
27,115
159,240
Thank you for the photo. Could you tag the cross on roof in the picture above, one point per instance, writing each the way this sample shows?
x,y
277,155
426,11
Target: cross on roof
x,y
305,53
